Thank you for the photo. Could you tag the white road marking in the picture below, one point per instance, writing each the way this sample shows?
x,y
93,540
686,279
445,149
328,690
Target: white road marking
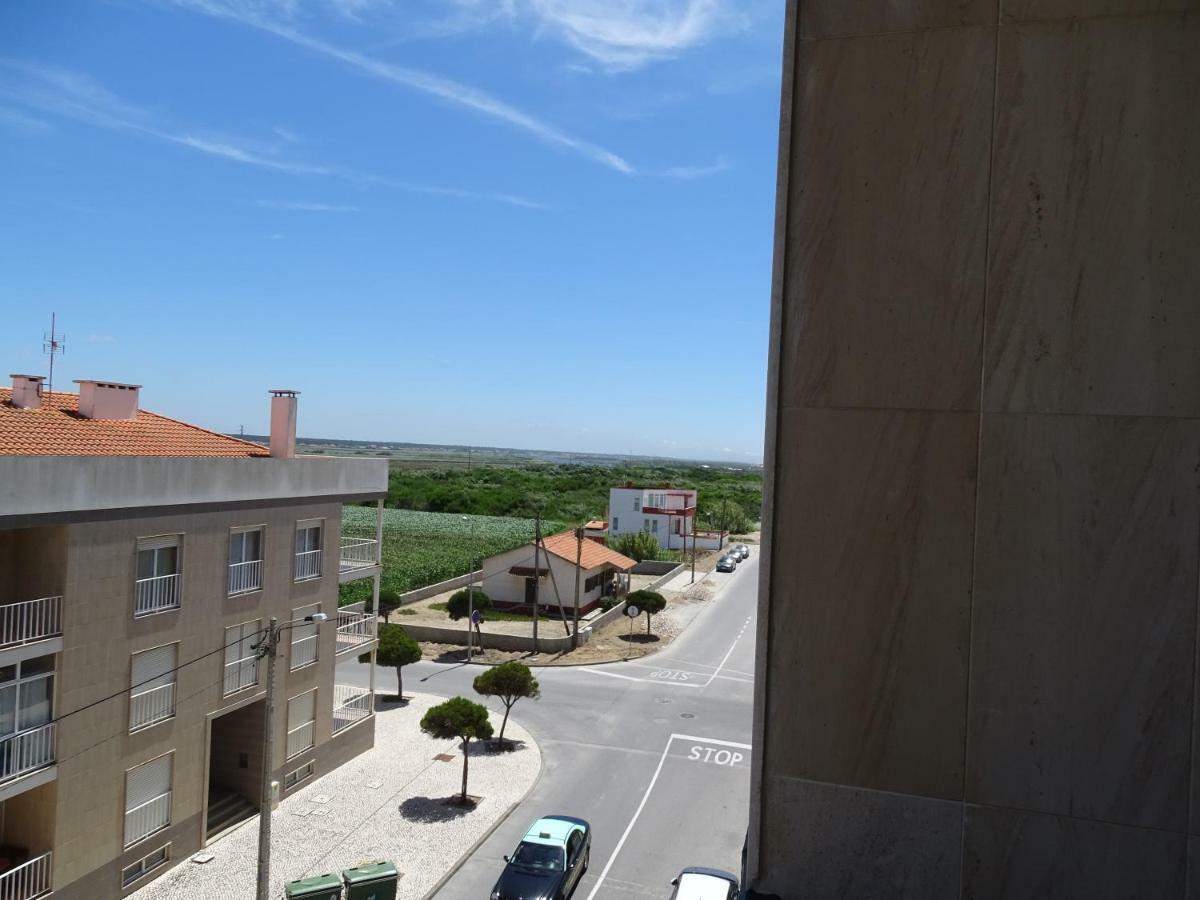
x,y
628,828
646,796
723,661
685,684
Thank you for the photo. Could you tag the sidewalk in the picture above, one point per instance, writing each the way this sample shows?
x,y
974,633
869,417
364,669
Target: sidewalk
x,y
384,804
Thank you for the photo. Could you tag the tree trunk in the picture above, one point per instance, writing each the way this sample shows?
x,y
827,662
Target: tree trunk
x,y
466,759
647,623
507,708
399,682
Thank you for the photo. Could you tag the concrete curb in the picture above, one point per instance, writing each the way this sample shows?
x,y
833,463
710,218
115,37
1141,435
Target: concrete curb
x,y
462,860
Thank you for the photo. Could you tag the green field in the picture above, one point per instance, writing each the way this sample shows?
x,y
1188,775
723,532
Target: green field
x,y
422,548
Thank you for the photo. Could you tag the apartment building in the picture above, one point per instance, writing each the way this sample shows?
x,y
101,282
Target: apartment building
x,y
140,558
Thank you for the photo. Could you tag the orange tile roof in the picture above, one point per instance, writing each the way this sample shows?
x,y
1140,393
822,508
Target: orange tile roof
x,y
594,554
596,525
57,429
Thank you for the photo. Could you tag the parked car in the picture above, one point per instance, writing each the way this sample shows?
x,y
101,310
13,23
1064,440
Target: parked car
x,y
739,552
549,861
744,550
699,883
726,563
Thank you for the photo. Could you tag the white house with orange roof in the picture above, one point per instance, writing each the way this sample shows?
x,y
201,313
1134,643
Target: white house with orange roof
x,y
509,578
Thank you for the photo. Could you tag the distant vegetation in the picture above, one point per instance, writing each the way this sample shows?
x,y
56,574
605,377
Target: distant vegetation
x,y
729,497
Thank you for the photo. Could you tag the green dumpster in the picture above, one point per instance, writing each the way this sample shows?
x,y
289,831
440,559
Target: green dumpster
x,y
375,881
319,887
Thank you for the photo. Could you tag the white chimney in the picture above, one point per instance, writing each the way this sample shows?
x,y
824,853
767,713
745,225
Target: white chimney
x,y
108,400
27,391
283,423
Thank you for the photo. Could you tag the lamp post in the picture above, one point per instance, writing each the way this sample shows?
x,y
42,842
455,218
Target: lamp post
x,y
269,647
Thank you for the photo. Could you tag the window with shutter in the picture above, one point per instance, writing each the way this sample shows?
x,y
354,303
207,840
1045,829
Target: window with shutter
x,y
147,799
301,712
152,686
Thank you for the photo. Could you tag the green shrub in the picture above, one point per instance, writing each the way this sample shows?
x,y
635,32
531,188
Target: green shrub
x,y
460,603
639,545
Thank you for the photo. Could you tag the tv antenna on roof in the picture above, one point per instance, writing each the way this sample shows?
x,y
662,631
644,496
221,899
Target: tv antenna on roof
x,y
53,344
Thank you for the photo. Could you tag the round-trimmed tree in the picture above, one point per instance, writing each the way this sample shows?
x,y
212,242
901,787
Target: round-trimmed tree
x,y
389,602
397,649
458,719
649,602
509,682
460,603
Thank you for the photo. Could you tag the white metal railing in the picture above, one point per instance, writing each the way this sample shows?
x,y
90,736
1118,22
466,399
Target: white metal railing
x,y
149,817
150,706
358,553
153,594
245,576
28,880
27,751
354,629
299,739
308,564
241,673
304,651
30,620
350,704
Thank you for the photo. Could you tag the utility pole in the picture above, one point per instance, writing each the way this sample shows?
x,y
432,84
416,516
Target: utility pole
x,y
693,581
578,569
269,648
537,542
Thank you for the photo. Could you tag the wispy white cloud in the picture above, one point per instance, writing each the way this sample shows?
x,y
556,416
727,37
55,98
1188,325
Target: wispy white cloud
x,y
690,173
23,125
305,206
259,14
61,92
622,35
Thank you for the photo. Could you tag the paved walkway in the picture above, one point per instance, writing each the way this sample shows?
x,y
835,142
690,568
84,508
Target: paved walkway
x,y
384,804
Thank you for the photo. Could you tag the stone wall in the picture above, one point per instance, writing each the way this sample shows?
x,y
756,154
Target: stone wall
x,y
977,631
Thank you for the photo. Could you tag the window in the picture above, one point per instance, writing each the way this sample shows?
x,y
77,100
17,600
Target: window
x,y
293,778
301,712
593,582
308,549
157,585
637,504
26,711
145,865
304,638
152,686
614,525
241,659
573,843
147,799
245,560
654,525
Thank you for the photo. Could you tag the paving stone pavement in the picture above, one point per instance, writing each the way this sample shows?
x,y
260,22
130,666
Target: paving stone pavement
x,y
384,804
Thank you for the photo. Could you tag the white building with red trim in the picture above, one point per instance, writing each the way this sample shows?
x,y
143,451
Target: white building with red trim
x,y
667,513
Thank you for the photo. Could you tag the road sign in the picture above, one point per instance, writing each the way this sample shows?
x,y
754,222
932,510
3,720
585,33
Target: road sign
x,y
632,611
476,618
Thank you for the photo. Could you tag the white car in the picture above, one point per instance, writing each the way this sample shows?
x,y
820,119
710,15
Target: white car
x,y
699,883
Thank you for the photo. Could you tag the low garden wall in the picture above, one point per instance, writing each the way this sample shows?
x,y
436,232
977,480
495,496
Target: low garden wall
x,y
431,590
458,635
653,567
666,576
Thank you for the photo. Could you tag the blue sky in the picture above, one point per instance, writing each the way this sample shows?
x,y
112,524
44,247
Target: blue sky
x,y
529,223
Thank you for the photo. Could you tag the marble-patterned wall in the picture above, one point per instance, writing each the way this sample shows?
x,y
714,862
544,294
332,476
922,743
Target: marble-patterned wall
x,y
977,668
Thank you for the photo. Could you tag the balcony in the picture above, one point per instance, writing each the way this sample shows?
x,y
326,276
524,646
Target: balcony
x,y
308,564
354,630
240,674
26,751
243,578
304,653
350,704
358,553
149,707
155,594
29,880
30,621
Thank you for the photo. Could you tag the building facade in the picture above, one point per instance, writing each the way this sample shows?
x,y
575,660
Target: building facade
x,y
977,633
140,560
667,514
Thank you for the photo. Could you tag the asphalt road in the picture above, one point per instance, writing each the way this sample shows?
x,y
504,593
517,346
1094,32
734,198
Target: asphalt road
x,y
654,753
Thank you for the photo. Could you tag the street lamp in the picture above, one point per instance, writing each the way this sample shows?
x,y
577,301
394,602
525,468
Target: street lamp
x,y
269,647
470,590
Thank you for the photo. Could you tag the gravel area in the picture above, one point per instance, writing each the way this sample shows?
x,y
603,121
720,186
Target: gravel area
x,y
385,804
